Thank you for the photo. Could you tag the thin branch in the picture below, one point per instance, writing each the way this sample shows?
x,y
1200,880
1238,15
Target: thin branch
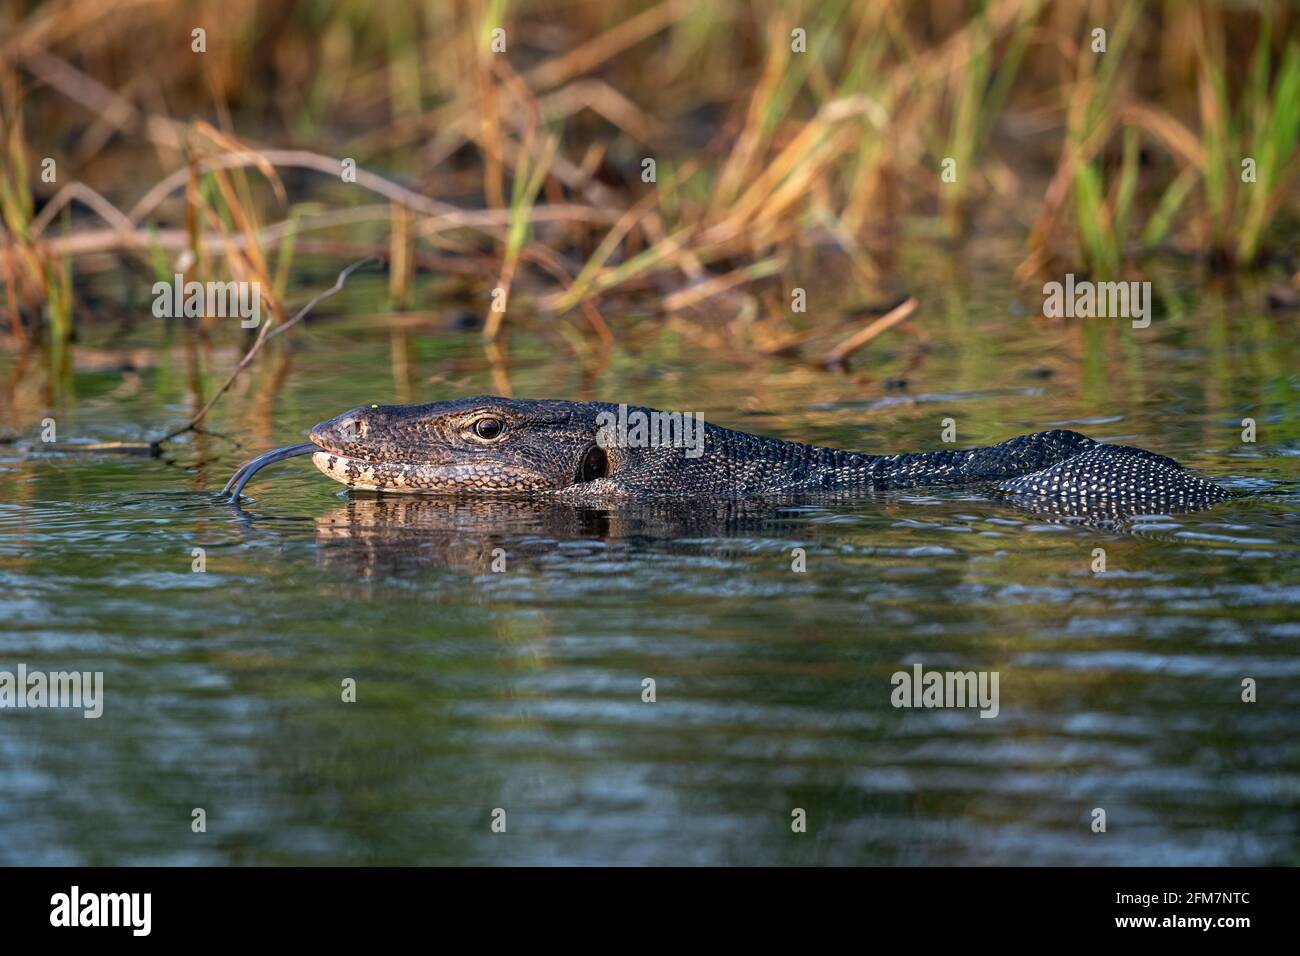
x,y
838,356
266,334
79,190
92,94
293,158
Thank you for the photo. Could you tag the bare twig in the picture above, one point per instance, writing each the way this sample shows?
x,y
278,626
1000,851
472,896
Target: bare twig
x,y
294,158
114,107
837,356
266,334
80,191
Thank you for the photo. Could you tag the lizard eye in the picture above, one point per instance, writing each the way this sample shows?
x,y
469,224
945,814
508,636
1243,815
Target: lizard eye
x,y
489,428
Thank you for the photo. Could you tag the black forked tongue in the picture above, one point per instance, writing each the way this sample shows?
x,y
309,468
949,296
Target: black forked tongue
x,y
245,474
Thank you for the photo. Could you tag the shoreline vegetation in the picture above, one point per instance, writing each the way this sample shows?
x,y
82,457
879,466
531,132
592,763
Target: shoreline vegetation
x,y
576,161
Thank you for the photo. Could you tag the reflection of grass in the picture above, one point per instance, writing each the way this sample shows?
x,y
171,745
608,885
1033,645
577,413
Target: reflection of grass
x,y
526,165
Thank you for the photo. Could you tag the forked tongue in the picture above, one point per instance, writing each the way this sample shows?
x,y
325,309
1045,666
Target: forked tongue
x,y
245,474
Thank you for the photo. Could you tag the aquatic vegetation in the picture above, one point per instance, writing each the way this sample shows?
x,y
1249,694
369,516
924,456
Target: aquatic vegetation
x,y
560,160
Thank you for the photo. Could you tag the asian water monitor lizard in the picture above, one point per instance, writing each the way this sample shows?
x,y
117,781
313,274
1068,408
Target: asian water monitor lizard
x,y
589,451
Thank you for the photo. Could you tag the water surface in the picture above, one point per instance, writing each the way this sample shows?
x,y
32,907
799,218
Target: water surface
x,y
522,689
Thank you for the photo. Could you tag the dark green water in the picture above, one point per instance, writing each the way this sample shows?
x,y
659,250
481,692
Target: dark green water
x,y
522,690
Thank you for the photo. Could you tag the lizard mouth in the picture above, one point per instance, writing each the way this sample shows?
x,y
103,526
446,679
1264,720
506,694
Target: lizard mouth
x,y
401,476
350,470
370,475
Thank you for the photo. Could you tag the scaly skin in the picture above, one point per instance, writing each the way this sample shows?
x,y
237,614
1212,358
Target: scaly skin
x,y
557,448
